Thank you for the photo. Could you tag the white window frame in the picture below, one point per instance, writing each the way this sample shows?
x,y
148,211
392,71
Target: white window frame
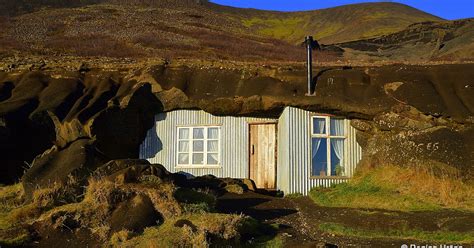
x,y
327,135
204,152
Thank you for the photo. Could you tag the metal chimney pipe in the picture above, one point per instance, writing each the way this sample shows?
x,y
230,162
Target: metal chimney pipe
x,y
309,62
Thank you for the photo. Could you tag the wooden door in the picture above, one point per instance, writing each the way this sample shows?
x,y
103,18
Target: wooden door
x,y
263,155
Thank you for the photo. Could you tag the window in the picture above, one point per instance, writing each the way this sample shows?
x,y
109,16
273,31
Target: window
x,y
327,146
198,146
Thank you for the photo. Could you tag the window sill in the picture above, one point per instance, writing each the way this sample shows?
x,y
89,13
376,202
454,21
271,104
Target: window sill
x,y
198,167
329,177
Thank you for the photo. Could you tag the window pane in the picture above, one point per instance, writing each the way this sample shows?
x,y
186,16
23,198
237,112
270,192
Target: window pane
x,y
198,133
183,133
198,158
212,146
212,158
319,126
337,127
337,155
213,133
183,146
198,146
183,158
319,157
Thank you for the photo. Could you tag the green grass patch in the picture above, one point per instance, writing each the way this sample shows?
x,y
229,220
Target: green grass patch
x,y
11,199
260,235
195,201
420,188
437,236
367,194
294,195
280,28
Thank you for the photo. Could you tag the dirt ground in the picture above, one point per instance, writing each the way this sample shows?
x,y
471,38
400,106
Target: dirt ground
x,y
298,220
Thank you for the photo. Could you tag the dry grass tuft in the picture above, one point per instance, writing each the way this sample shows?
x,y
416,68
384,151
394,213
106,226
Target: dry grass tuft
x,y
436,184
400,188
199,230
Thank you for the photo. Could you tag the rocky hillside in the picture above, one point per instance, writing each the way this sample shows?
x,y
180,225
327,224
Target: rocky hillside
x,y
108,112
332,25
422,41
197,29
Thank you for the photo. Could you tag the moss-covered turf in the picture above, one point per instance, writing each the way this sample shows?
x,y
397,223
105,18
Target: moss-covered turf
x,y
400,189
11,199
409,234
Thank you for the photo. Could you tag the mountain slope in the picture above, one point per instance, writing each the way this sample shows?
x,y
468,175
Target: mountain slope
x,y
202,30
339,24
450,40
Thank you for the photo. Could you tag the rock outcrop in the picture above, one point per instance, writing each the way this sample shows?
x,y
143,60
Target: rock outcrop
x,y
84,119
405,114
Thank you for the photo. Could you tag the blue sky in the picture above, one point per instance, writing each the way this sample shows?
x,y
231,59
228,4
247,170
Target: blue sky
x,y
447,9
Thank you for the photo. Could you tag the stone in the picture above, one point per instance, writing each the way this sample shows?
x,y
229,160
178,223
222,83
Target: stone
x,y
132,170
234,188
134,215
60,165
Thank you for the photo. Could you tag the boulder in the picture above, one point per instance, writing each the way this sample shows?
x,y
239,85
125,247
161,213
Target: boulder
x,y
72,164
134,215
221,185
132,170
39,110
235,188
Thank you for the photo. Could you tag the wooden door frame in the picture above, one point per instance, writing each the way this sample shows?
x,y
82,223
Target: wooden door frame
x,y
249,124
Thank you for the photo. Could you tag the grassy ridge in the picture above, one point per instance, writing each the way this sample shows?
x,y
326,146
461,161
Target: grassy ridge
x,y
333,25
184,29
380,188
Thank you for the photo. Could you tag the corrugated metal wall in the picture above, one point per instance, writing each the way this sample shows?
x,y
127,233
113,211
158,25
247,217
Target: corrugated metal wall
x,y
160,143
298,146
294,147
283,162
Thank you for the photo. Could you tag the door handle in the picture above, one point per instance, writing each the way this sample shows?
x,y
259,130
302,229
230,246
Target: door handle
x,y
253,149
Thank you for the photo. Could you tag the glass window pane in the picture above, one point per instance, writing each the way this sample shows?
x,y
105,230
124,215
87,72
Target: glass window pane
x,y
198,133
198,158
213,133
198,146
212,146
183,133
212,158
183,146
337,127
319,126
183,158
337,155
319,157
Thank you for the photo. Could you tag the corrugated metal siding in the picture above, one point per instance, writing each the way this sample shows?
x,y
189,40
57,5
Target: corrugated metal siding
x,y
160,144
283,177
294,147
298,146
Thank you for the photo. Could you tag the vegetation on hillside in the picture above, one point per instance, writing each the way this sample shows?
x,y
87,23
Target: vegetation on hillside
x,y
119,215
380,188
333,25
189,29
398,233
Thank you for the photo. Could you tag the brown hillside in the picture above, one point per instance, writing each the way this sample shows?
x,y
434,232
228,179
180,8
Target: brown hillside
x,y
453,41
344,23
184,29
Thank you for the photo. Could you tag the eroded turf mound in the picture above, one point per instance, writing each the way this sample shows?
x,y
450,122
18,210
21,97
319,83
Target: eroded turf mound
x,y
124,202
70,115
76,121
